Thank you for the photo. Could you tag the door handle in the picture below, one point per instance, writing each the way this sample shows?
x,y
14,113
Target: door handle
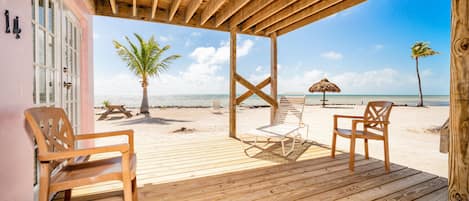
x,y
67,85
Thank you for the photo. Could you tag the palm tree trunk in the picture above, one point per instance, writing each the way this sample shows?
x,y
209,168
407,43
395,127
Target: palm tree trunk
x,y
420,103
144,105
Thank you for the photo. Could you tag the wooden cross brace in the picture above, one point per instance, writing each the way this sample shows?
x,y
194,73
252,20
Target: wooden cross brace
x,y
254,90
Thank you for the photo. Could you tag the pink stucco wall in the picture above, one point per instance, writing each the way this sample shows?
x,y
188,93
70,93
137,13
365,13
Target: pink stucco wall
x,y
16,84
16,89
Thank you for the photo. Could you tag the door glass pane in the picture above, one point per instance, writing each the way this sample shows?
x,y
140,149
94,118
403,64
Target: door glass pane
x,y
51,10
41,46
52,87
42,85
34,44
34,87
50,52
42,10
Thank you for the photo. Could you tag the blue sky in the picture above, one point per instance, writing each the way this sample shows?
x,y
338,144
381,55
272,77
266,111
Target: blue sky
x,y
365,50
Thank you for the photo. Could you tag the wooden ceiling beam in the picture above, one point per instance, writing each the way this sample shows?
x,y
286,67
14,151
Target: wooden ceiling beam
x,y
134,8
302,14
191,8
113,6
266,12
125,11
229,11
287,12
252,8
154,8
210,10
174,9
320,15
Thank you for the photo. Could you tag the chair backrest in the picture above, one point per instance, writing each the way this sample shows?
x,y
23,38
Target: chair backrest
x,y
290,110
377,111
52,130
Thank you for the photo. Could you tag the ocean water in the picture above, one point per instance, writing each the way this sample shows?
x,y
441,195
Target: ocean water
x,y
206,100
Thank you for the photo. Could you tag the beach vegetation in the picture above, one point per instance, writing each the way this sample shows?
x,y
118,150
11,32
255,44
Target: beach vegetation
x,y
421,49
145,59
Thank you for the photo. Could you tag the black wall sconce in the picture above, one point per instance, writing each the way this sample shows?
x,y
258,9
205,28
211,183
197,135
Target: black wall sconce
x,y
7,21
16,27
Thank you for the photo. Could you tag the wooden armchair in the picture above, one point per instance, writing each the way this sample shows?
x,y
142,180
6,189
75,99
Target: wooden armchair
x,y
57,152
375,123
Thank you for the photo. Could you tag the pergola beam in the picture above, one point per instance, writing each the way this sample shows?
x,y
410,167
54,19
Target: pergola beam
x,y
134,8
191,8
174,9
266,12
232,101
210,10
113,6
458,184
229,11
320,15
154,8
104,9
273,75
304,14
249,93
257,91
287,12
252,8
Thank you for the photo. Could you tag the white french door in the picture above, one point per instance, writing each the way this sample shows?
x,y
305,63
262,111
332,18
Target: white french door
x,y
56,63
71,68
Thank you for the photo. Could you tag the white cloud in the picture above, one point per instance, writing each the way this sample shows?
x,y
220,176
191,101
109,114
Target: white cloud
x,y
379,46
165,39
259,69
332,55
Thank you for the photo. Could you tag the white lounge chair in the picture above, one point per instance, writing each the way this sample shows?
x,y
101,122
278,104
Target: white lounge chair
x,y
216,107
287,123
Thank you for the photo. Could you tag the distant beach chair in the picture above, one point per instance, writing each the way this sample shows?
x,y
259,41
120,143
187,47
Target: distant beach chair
x,y
216,107
115,109
375,123
287,123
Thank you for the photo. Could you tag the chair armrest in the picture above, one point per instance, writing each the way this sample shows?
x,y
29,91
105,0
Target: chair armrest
x,y
336,117
348,116
123,148
129,133
368,121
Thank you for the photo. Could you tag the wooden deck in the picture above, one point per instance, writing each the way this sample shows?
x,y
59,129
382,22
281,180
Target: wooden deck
x,y
216,168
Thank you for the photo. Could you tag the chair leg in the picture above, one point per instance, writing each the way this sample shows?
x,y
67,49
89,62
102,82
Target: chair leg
x,y
352,154
386,155
127,183
68,195
366,149
134,189
44,183
334,139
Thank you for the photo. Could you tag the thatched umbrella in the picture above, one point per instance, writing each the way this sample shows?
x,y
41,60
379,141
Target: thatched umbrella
x,y
324,86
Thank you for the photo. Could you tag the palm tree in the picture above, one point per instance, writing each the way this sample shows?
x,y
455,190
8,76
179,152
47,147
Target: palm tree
x,y
145,61
421,49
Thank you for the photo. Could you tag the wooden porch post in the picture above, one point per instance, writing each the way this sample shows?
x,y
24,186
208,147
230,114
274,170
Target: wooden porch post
x,y
459,103
232,101
273,74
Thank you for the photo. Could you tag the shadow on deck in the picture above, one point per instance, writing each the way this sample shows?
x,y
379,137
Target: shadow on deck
x,y
216,168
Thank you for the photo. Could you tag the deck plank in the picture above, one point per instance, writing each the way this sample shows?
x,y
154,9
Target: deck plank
x,y
216,168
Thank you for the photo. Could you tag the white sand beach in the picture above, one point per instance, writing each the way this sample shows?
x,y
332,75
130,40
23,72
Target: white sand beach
x,y
410,143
